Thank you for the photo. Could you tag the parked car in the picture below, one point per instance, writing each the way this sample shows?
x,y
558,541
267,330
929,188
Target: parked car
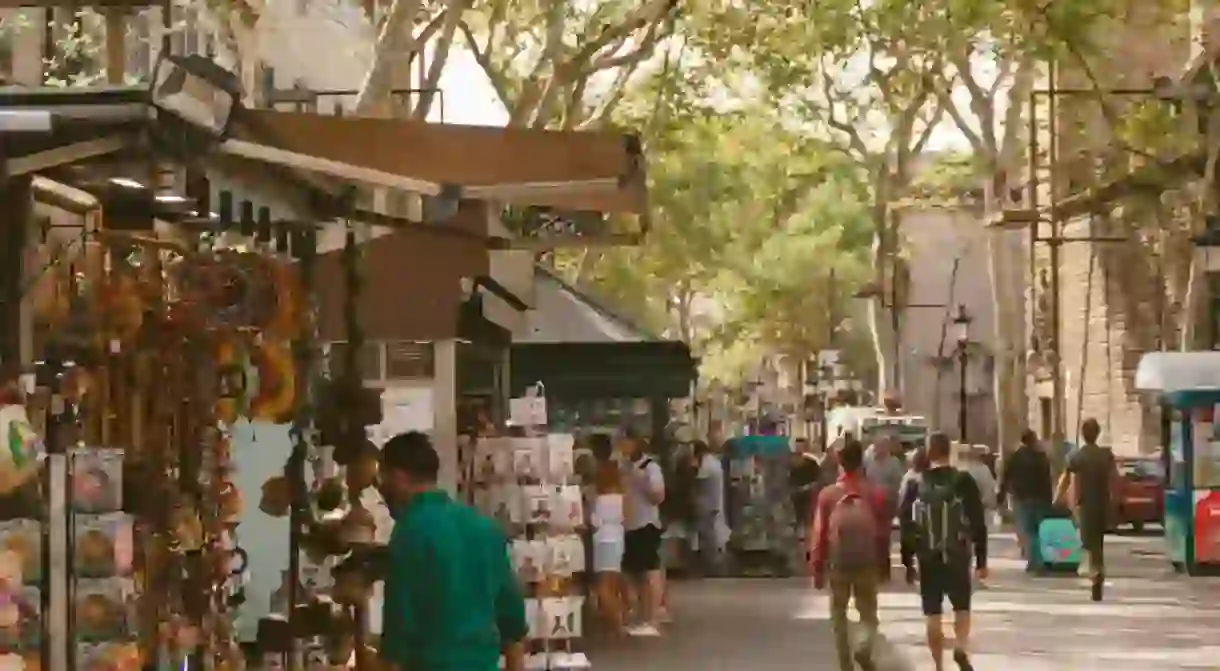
x,y
1141,497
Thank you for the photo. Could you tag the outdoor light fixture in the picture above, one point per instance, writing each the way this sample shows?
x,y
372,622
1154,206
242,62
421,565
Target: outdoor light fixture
x,y
195,91
1207,246
961,325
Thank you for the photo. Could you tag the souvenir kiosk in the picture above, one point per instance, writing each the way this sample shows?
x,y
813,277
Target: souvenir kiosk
x,y
1188,387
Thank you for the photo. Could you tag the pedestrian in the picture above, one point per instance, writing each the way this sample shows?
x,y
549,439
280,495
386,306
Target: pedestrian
x,y
942,522
884,467
970,461
710,526
850,552
609,536
1025,483
917,463
1092,476
452,600
644,492
803,477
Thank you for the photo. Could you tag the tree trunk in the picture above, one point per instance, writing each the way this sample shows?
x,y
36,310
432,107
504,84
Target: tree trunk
x,y
880,317
395,31
1008,297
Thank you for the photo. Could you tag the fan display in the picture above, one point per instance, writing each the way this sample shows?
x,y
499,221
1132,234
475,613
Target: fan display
x,y
528,483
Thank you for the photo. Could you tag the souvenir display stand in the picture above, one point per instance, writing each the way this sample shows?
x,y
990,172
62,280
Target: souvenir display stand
x,y
764,539
151,349
527,483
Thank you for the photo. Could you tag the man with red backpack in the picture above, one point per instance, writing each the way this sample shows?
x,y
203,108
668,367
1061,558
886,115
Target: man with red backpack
x,y
850,552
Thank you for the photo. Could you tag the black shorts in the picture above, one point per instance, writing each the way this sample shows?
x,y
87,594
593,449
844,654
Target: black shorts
x,y
939,581
642,551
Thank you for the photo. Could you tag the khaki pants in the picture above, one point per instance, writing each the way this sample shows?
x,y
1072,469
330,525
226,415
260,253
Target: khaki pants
x,y
844,586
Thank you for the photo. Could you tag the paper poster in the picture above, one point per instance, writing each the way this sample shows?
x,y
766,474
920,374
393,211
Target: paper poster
x,y
407,409
527,411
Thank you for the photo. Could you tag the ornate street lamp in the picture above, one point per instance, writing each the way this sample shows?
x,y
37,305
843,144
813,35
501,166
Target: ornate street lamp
x,y
961,332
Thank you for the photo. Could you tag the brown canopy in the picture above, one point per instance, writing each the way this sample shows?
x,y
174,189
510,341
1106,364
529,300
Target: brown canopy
x,y
589,171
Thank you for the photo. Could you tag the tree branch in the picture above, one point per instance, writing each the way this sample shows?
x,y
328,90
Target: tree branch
x,y
453,12
981,104
938,114
854,139
499,82
950,107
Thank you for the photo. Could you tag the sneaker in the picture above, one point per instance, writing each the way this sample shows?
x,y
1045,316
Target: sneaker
x,y
643,630
962,660
664,617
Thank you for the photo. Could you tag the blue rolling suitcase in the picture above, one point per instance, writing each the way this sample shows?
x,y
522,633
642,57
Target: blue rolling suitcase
x,y
1059,542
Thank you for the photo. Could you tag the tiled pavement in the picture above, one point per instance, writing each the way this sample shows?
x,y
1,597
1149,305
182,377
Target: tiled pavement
x,y
1151,621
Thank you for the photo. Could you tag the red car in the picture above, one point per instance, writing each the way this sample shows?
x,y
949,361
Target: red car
x,y
1141,498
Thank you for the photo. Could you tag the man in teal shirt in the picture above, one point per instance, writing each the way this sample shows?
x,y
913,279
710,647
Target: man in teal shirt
x,y
452,601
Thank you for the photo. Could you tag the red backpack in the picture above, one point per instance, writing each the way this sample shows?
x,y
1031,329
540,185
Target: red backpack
x,y
853,532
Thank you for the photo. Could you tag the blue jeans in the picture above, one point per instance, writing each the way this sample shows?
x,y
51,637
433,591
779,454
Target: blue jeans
x,y
1028,516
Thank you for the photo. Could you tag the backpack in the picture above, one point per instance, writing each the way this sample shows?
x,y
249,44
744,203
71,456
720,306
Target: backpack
x,y
941,519
853,532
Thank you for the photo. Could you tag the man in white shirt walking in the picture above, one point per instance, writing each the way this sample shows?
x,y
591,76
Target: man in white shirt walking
x,y
644,491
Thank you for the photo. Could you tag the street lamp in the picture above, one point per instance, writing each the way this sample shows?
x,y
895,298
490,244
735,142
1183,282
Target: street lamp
x,y
961,330
1207,260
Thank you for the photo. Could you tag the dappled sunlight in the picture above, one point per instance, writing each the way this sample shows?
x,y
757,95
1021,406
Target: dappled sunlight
x,y
1049,624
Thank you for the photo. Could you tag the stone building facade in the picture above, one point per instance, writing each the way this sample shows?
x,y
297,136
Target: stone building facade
x,y
1113,295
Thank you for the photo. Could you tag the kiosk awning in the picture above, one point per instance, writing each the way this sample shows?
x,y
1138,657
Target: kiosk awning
x,y
581,171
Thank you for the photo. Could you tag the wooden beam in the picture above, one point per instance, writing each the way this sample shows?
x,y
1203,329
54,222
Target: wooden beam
x,y
72,153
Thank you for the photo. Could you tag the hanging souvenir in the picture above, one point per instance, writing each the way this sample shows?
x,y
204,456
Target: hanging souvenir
x,y
529,560
102,609
567,507
97,480
275,399
538,504
104,545
24,539
22,450
561,456
560,621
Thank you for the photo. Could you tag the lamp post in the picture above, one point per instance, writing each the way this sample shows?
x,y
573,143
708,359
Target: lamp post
x,y
1207,259
961,331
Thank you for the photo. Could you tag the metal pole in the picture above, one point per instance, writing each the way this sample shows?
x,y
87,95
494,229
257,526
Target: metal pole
x,y
1058,402
963,360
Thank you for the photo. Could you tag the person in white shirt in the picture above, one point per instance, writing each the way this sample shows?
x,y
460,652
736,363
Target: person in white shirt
x,y
709,508
644,491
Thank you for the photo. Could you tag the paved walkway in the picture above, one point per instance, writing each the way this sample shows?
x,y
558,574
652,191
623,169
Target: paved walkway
x,y
1151,621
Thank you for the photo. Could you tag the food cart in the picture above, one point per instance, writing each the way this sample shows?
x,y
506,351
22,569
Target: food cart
x,y
1188,387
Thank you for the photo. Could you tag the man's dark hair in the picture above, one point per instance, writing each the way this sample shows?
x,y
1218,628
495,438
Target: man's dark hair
x,y
1029,437
1090,430
939,447
601,446
413,454
851,456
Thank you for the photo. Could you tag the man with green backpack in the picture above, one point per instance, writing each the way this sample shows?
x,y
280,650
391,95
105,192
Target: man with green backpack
x,y
944,529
